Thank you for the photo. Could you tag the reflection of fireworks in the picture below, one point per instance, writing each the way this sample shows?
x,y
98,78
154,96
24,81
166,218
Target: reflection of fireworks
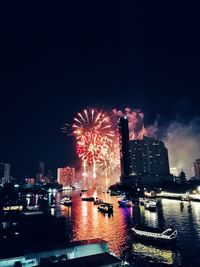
x,y
94,137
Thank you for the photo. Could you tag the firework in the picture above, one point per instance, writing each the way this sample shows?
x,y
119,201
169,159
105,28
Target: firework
x,y
94,136
109,161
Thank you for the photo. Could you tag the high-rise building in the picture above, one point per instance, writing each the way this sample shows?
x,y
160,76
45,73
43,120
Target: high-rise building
x,y
124,148
41,172
7,172
42,168
50,176
149,157
65,176
4,173
1,172
197,168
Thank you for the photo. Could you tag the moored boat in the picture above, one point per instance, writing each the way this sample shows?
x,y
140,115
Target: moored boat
x,y
113,193
125,203
87,198
153,234
66,201
98,201
150,204
142,201
33,208
84,190
106,208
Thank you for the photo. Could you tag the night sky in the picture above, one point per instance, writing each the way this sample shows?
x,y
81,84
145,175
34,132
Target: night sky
x,y
57,59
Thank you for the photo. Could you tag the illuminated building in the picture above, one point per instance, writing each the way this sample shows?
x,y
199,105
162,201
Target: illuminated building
x,y
30,181
4,173
149,157
197,168
124,148
65,176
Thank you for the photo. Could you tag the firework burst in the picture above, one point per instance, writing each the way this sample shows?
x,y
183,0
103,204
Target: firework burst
x,y
94,135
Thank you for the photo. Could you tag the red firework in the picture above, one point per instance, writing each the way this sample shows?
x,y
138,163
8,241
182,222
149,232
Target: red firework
x,y
94,135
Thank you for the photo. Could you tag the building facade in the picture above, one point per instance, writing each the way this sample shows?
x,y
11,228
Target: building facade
x,y
65,176
149,157
196,165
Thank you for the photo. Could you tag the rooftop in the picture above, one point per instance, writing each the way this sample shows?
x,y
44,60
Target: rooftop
x,y
103,259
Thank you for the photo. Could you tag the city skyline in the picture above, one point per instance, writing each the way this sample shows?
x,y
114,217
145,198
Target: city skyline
x,y
137,131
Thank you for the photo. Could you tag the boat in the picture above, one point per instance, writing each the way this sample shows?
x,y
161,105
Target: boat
x,y
135,201
113,193
87,198
98,201
185,198
125,203
33,208
121,196
66,201
150,204
106,208
153,234
142,201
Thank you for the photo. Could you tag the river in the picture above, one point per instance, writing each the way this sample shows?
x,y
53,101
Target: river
x,y
83,221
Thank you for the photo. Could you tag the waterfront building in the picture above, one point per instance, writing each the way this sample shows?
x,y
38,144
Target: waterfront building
x,y
149,157
65,176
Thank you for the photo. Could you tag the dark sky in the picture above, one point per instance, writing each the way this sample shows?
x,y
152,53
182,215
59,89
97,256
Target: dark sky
x,y
57,59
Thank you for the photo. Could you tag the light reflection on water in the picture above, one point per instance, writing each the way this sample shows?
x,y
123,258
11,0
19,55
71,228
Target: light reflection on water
x,y
163,255
85,222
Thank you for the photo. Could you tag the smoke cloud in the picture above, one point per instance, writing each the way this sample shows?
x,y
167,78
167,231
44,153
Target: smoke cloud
x,y
183,143
181,138
137,130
